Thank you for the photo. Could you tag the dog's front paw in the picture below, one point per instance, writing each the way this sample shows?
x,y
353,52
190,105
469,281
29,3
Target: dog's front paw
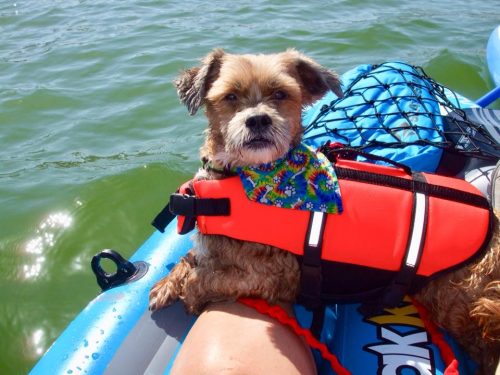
x,y
170,289
163,293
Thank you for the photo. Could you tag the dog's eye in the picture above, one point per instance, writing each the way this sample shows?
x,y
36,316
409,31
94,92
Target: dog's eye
x,y
231,97
279,95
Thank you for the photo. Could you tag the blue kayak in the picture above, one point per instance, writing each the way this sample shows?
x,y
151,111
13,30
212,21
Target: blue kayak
x,y
117,334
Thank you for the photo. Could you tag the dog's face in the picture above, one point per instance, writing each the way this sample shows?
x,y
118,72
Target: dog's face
x,y
253,103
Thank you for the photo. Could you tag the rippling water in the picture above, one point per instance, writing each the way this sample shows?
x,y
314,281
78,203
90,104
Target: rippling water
x,y
92,138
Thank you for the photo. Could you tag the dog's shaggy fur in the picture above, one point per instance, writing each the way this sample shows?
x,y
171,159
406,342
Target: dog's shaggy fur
x,y
253,104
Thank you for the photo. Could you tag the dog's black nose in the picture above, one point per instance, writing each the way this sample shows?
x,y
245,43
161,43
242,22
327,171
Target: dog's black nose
x,y
258,122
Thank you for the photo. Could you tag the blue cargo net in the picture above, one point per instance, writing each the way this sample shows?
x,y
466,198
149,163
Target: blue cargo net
x,y
396,111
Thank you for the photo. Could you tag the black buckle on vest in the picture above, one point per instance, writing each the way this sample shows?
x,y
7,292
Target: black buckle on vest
x,y
190,205
182,204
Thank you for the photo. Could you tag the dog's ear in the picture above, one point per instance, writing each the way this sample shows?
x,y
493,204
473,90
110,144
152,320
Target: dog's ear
x,y
315,79
193,84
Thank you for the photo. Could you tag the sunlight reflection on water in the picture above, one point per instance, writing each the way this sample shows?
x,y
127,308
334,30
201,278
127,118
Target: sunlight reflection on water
x,y
37,342
46,235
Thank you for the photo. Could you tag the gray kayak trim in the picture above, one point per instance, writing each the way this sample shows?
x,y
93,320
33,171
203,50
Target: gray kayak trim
x,y
153,342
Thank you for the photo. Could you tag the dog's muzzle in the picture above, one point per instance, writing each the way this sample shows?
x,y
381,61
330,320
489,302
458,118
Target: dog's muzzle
x,y
258,123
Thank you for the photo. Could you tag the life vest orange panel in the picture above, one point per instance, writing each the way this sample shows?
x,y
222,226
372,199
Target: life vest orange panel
x,y
376,226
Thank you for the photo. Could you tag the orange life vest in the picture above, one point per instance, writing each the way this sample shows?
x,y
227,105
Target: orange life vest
x,y
396,228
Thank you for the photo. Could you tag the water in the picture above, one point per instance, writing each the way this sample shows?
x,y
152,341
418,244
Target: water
x,y
92,137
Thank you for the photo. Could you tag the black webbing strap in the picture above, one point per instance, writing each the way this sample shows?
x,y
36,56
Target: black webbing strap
x,y
310,275
414,248
318,321
190,206
414,186
398,288
164,218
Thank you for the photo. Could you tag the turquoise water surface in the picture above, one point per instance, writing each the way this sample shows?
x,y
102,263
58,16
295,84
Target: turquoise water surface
x,y
93,138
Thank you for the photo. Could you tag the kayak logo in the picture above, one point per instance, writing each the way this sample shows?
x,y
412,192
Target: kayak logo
x,y
405,349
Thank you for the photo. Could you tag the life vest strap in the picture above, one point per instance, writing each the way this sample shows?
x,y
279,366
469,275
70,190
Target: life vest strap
x,y
190,205
398,288
311,275
416,241
164,218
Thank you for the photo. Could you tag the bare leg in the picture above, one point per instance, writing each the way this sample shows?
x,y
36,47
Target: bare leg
x,y
230,338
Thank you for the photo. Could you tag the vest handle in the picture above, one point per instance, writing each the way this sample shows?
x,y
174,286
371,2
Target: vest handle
x,y
336,150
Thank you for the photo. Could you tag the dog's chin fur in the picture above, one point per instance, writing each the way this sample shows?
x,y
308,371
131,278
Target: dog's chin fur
x,y
248,157
235,88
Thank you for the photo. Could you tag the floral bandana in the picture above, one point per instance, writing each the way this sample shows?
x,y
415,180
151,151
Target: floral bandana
x,y
303,180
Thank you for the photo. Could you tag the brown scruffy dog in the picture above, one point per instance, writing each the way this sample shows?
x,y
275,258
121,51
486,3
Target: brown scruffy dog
x,y
253,104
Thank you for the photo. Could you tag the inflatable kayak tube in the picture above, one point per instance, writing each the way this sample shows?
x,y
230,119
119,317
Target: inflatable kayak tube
x,y
117,334
493,61
493,55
